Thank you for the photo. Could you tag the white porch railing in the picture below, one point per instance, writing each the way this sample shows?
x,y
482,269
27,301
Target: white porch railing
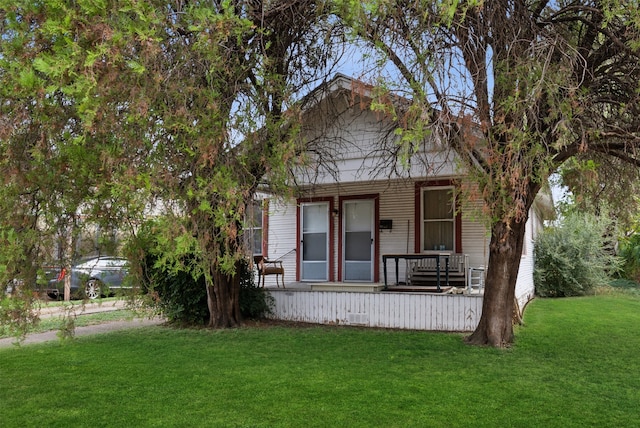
x,y
385,309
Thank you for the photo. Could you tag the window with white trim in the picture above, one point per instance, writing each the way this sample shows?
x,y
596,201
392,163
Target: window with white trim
x,y
438,219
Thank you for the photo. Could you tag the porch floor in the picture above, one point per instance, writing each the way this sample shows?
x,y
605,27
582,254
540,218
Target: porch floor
x,y
347,286
420,288
367,287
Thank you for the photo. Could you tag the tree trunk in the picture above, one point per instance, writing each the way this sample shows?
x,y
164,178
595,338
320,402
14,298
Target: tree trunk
x,y
223,299
496,323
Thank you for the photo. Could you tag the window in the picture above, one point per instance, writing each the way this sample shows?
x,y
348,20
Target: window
x,y
255,228
438,219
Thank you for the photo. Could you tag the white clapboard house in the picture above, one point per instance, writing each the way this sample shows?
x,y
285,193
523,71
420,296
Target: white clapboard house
x,y
372,239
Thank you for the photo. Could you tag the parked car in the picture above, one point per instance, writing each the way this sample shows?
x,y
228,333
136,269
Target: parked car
x,y
92,278
46,276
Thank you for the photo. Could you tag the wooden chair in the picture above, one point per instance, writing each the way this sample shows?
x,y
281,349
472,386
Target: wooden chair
x,y
267,267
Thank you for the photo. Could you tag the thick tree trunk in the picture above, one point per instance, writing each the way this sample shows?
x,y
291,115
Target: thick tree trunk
x,y
496,323
223,299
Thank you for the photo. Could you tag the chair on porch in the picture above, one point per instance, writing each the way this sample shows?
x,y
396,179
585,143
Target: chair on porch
x,y
476,280
269,267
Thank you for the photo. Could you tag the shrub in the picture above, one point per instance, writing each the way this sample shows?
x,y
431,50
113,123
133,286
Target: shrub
x,y
630,254
180,296
572,259
255,302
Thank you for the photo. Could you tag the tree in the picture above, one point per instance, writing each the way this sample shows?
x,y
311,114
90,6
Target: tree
x,y
516,88
600,186
49,166
178,102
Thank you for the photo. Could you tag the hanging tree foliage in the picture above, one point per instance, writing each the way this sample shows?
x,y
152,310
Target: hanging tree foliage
x,y
538,82
180,102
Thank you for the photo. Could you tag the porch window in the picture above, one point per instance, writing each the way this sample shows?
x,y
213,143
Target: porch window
x,y
254,231
438,219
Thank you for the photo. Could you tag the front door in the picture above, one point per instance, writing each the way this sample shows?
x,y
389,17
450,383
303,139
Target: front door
x,y
314,225
358,240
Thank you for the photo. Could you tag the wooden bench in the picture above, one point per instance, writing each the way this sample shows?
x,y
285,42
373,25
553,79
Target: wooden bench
x,y
424,272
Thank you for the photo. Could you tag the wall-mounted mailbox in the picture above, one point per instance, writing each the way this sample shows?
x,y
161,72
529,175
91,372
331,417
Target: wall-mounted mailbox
x,y
386,224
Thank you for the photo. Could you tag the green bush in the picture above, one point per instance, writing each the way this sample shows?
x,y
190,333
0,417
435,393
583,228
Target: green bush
x,y
573,259
630,254
180,297
174,290
255,302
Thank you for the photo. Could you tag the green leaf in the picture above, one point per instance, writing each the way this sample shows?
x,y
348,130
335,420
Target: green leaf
x,y
28,79
136,67
42,66
205,206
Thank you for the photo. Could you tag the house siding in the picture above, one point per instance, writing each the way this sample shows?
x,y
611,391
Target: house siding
x,y
281,243
360,145
356,154
413,311
396,203
475,237
525,289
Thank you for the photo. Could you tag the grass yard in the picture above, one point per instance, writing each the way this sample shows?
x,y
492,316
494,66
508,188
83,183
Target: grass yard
x,y
574,364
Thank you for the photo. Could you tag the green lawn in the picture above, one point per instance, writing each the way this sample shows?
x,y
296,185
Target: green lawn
x,y
575,363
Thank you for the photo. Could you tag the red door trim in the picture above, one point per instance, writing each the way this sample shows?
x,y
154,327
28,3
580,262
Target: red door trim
x,y
331,202
376,232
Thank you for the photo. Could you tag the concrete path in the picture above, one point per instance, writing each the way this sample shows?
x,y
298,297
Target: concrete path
x,y
48,310
89,308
